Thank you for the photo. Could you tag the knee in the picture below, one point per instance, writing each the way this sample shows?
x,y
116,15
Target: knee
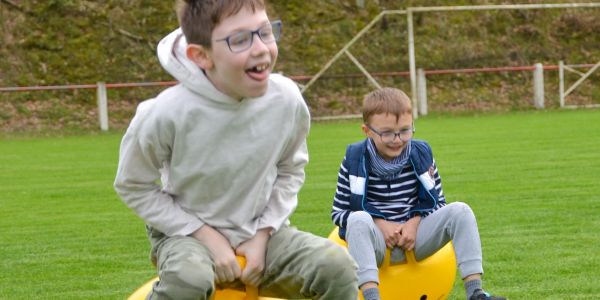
x,y
186,282
336,266
460,208
187,275
358,220
461,211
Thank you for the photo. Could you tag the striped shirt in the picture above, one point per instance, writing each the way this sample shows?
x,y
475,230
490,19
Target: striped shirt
x,y
394,198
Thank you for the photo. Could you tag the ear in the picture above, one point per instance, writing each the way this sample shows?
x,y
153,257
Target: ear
x,y
364,128
200,55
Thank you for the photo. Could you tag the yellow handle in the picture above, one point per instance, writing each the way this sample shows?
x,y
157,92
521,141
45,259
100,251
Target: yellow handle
x,y
251,291
410,257
242,261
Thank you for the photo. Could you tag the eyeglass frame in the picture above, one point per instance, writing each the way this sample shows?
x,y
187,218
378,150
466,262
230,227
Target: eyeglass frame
x,y
398,134
275,31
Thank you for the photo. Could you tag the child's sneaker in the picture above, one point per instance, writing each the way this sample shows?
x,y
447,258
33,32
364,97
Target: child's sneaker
x,y
481,295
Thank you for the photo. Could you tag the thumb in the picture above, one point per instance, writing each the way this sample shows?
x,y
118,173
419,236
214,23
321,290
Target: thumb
x,y
239,250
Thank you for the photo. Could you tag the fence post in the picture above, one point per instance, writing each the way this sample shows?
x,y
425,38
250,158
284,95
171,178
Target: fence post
x,y
412,63
561,83
102,106
422,92
538,86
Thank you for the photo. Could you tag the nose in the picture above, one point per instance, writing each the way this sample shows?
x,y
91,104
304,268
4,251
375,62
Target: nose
x,y
258,47
398,140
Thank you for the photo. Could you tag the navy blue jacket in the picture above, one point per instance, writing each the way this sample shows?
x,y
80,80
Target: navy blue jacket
x,y
358,164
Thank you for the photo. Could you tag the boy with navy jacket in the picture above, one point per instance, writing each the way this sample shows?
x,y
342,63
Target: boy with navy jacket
x,y
389,195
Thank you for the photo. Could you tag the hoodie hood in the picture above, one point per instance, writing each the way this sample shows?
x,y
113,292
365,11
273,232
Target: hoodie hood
x,y
172,57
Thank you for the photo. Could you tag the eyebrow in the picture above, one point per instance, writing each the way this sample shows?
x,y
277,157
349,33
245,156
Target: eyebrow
x,y
238,30
387,129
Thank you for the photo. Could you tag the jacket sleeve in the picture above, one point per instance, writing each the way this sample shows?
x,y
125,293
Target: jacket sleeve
x,y
438,187
341,200
144,151
290,173
430,195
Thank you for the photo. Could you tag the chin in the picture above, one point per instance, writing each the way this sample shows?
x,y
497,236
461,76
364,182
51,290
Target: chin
x,y
257,92
394,154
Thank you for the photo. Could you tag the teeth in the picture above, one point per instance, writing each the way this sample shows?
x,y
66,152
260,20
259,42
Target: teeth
x,y
261,68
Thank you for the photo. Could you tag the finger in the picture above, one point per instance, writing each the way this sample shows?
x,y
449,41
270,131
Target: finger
x,y
400,241
389,243
403,243
236,271
239,251
246,272
406,246
256,279
219,272
251,278
397,237
221,276
227,274
251,275
217,277
398,229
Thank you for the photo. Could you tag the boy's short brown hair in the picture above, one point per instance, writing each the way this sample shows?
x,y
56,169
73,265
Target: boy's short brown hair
x,y
386,101
198,18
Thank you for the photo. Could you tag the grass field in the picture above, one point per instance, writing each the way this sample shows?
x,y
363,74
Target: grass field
x,y
532,179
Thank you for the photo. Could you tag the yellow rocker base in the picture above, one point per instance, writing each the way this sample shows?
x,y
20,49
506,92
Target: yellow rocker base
x,y
225,294
251,293
428,279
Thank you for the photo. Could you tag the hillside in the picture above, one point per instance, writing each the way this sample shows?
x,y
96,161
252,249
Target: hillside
x,y
60,42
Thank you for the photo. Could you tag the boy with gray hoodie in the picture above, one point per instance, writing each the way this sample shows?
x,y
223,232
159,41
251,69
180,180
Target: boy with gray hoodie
x,y
214,164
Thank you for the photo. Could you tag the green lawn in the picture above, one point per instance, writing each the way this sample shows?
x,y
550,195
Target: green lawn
x,y
531,178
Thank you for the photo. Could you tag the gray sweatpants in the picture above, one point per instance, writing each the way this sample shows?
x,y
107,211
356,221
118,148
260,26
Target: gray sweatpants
x,y
454,221
298,265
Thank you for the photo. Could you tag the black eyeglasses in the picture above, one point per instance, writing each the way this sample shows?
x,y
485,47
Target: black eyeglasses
x,y
242,40
389,136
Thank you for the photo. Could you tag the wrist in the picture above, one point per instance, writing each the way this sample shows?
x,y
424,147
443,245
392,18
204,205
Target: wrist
x,y
379,221
203,233
415,220
198,231
414,214
265,232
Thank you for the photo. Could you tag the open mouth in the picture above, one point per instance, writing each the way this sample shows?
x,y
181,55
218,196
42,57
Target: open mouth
x,y
258,72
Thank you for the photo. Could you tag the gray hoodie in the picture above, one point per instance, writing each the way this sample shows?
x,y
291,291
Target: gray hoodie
x,y
194,156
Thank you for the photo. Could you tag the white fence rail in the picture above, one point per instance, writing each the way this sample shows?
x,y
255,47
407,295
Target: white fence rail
x,y
584,76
